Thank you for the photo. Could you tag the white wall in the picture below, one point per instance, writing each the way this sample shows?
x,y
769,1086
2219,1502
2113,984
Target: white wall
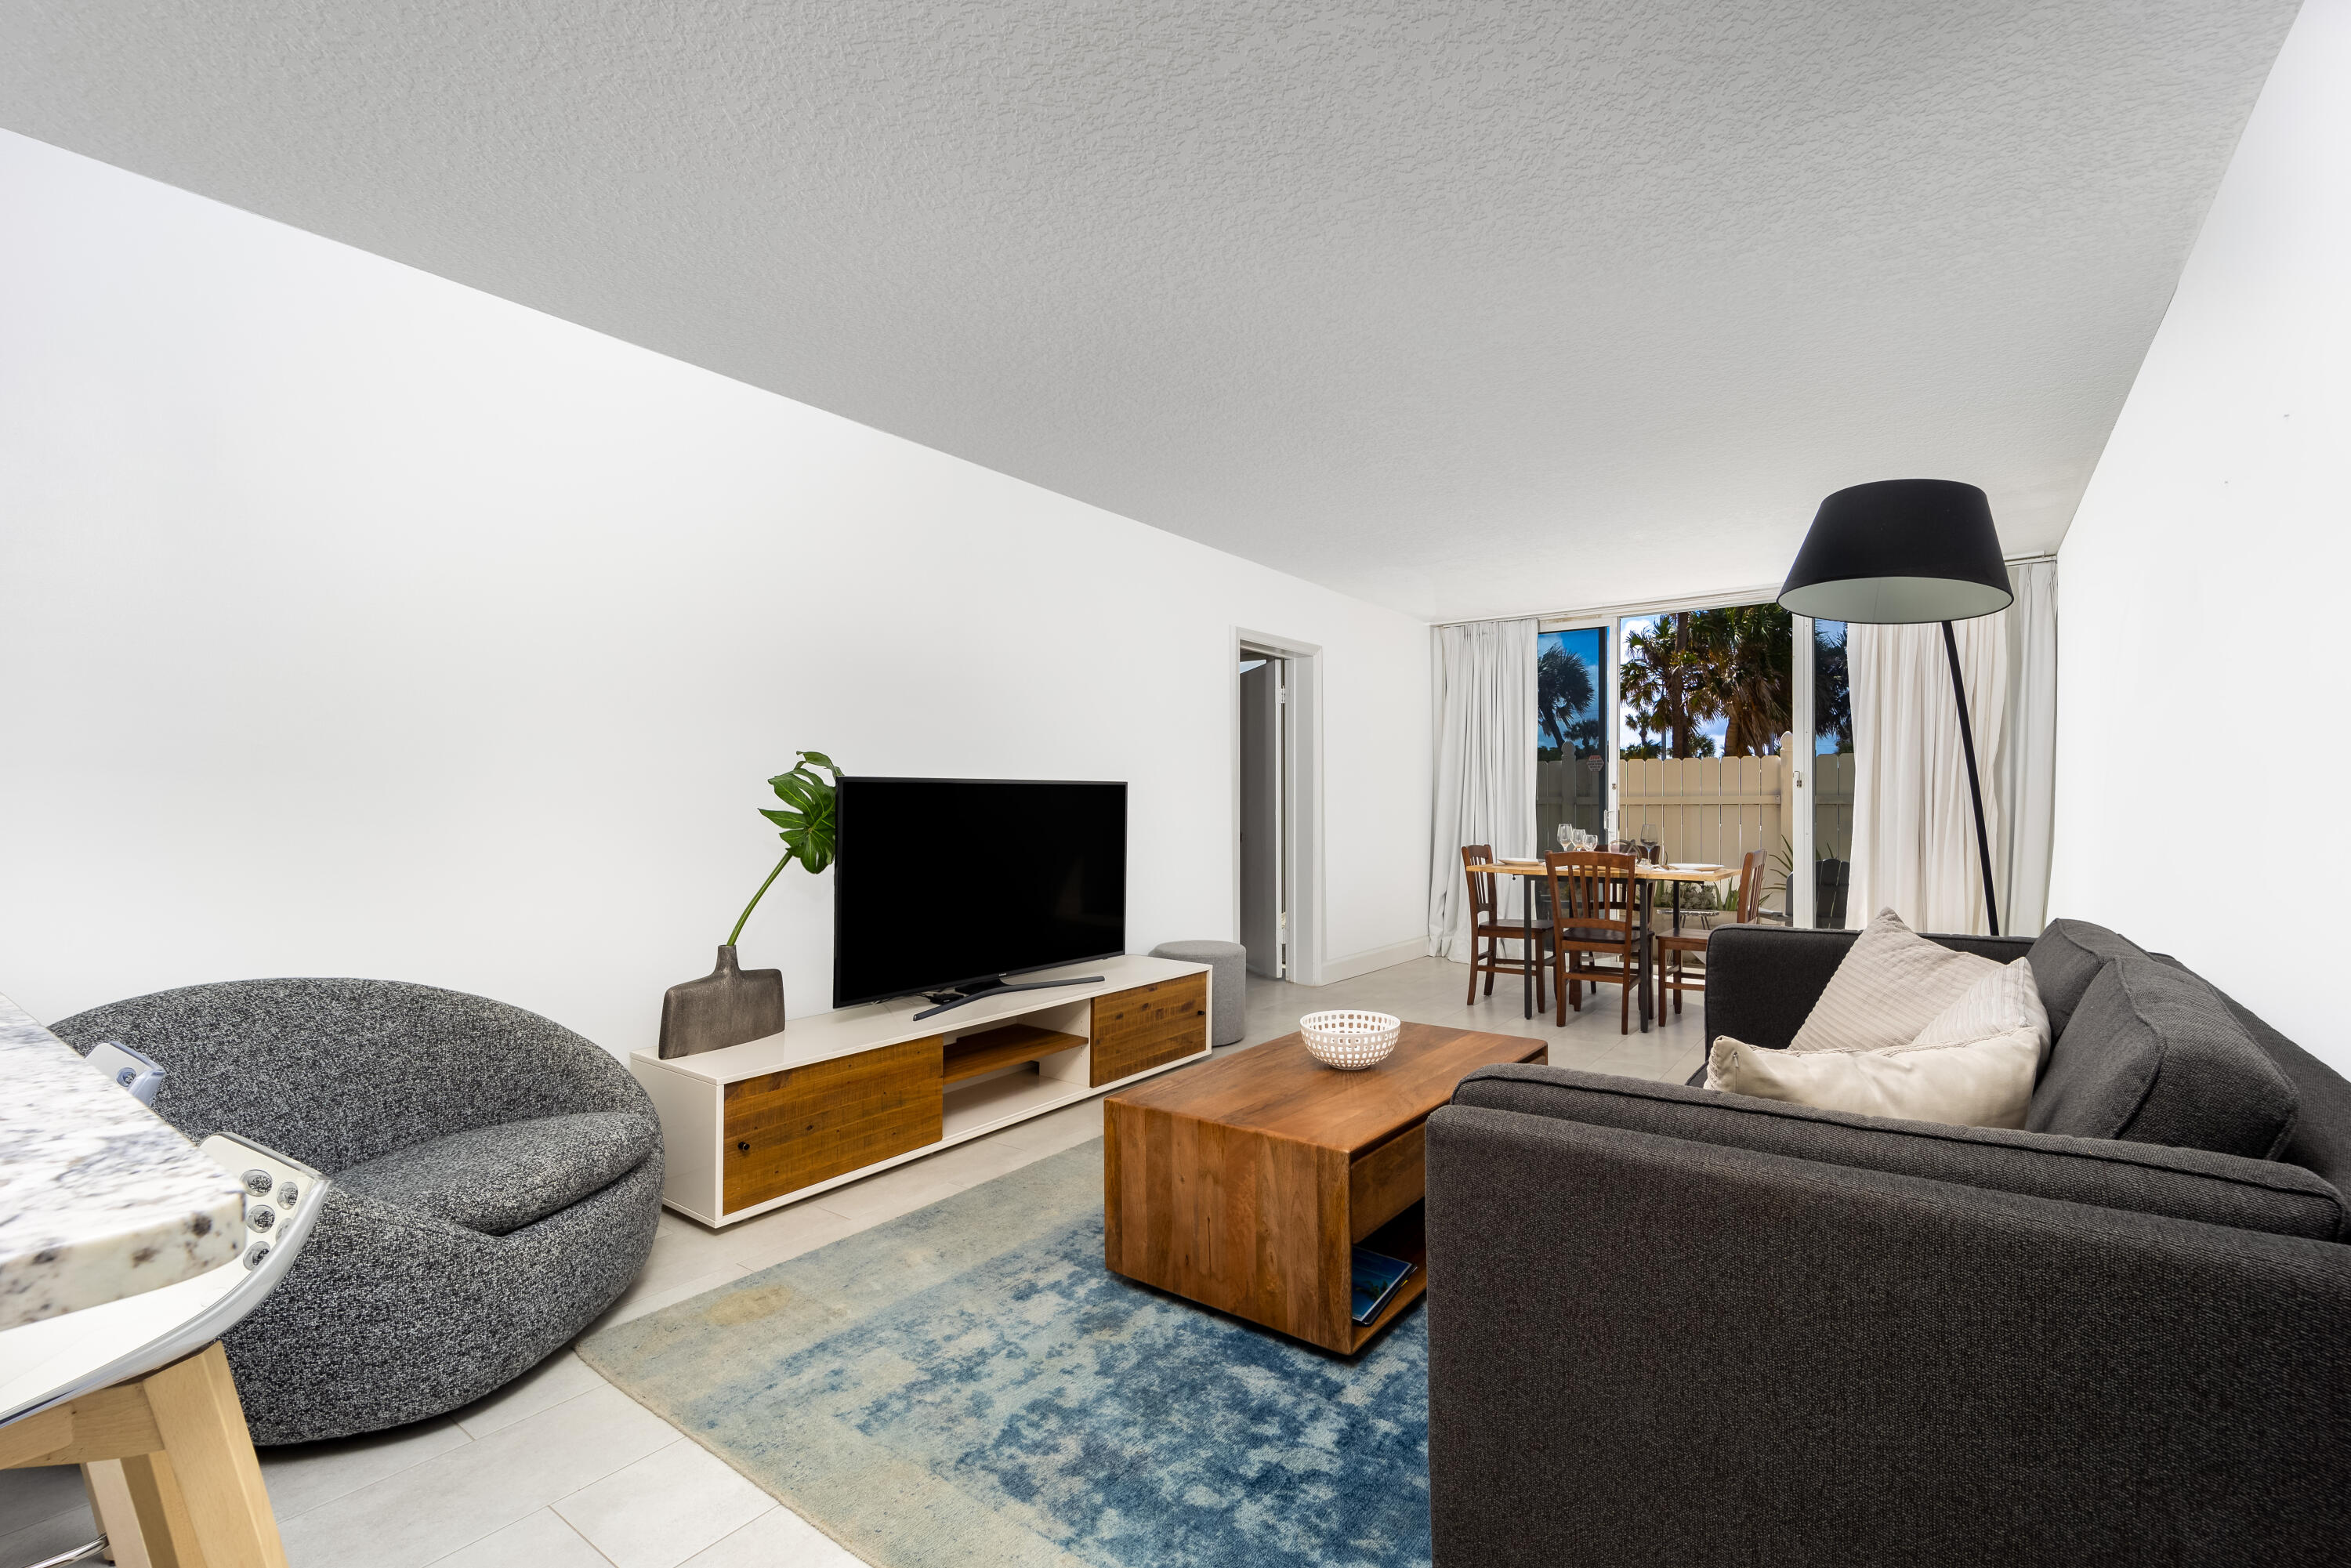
x,y
353,621
2204,584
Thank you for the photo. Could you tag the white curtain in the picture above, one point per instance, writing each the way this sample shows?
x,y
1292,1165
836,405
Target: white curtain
x,y
1913,830
2028,787
1485,689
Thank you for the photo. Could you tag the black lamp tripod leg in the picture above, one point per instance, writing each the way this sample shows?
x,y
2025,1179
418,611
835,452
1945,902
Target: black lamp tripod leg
x,y
1975,789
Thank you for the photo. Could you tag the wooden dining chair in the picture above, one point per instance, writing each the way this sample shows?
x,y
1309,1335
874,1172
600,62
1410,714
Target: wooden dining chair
x,y
1674,947
1486,927
1594,916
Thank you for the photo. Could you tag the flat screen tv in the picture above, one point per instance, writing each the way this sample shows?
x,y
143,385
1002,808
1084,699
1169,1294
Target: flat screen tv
x,y
951,884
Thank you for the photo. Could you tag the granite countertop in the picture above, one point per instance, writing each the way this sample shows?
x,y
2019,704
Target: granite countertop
x,y
100,1198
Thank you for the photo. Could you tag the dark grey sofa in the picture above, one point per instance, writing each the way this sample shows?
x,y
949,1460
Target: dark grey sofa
x,y
1674,1326
496,1184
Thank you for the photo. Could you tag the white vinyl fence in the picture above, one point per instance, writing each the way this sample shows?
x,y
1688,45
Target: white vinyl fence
x,y
1833,807
1711,808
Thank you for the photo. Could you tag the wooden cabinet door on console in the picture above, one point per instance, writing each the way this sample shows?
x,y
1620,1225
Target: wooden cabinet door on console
x,y
1148,1026
785,1129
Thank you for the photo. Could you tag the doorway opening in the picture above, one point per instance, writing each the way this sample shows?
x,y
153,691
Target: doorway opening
x,y
1277,804
1264,753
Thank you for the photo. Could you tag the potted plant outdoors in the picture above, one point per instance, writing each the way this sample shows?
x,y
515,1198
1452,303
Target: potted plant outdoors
x,y
731,1004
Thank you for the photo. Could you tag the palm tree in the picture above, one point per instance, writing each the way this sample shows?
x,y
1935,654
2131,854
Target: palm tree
x,y
1831,689
1747,648
1563,690
1667,684
1730,664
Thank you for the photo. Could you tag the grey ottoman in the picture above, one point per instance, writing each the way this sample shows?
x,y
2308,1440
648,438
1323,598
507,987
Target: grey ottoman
x,y
1228,961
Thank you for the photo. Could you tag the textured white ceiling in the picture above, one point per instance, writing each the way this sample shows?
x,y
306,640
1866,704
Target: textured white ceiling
x,y
1468,308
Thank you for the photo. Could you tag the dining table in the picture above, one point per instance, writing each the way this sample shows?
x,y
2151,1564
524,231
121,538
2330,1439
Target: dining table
x,y
1645,877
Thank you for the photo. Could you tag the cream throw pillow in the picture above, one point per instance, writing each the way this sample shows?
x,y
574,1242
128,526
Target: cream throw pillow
x,y
1973,1065
1892,984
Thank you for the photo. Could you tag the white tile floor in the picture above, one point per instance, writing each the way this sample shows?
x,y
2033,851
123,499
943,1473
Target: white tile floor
x,y
560,1468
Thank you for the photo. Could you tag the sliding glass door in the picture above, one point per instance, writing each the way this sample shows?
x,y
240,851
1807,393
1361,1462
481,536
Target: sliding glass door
x,y
1679,726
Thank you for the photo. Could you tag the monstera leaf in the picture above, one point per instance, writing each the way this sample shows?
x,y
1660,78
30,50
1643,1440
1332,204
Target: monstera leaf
x,y
805,824
806,827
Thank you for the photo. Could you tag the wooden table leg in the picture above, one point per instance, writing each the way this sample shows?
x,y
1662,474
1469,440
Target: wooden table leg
x,y
137,1504
1648,904
169,1458
1678,963
117,1517
211,1453
1527,943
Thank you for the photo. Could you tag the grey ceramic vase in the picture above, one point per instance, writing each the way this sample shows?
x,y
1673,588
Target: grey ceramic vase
x,y
725,1007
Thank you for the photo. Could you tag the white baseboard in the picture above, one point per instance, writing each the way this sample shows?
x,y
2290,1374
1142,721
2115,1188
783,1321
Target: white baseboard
x,y
1363,963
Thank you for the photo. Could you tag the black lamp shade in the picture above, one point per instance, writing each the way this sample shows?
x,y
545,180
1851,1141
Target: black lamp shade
x,y
1898,552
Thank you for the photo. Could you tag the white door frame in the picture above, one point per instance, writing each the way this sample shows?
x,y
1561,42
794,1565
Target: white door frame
x,y
1797,771
1301,794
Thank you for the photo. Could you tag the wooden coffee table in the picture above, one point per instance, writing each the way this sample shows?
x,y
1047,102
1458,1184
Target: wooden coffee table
x,y
1244,1183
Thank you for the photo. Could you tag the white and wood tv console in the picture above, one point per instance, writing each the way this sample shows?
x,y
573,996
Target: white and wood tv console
x,y
842,1094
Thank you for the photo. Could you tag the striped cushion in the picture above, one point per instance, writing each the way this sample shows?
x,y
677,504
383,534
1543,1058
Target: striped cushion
x,y
1890,986
1972,1065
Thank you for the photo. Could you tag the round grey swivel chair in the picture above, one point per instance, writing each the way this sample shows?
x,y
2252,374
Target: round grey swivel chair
x,y
496,1180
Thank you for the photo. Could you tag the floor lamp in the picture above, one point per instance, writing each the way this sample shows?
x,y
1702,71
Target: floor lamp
x,y
1900,552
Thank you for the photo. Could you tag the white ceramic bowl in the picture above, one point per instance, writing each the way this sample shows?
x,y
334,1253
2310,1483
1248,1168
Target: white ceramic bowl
x,y
1350,1040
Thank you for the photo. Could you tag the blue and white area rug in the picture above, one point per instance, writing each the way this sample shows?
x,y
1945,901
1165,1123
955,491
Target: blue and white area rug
x,y
969,1385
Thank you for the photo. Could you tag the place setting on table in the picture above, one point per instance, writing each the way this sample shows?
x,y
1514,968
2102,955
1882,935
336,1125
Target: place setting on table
x,y
1648,872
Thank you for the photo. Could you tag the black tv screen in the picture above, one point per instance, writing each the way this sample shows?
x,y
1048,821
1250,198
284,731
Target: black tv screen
x,y
940,883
